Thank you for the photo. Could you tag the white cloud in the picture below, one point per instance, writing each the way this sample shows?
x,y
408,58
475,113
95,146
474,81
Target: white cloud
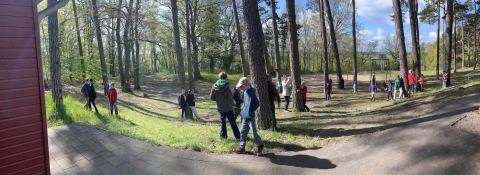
x,y
366,32
380,31
432,35
375,10
378,35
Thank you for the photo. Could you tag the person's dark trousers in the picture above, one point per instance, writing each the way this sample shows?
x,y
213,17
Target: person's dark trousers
x,y
236,112
106,92
113,106
305,105
412,87
287,102
272,106
223,125
389,95
92,102
184,113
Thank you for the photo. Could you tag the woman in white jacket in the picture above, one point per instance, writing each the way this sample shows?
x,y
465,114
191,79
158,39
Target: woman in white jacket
x,y
287,90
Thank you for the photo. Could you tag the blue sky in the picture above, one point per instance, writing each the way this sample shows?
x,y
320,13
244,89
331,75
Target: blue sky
x,y
375,17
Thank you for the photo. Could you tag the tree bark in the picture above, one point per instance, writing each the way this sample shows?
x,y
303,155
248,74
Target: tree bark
x,y
454,41
463,48
323,30
79,40
475,58
275,40
294,60
196,68
265,55
191,83
438,40
448,50
240,39
127,45
55,64
257,64
136,71
334,43
402,53
100,42
119,46
354,34
415,45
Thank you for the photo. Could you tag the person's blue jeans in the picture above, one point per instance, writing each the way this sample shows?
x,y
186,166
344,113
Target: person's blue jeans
x,y
184,112
248,124
272,106
412,87
329,97
112,106
223,125
287,102
444,84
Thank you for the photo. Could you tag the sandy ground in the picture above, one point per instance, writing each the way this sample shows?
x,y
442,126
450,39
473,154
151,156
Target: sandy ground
x,y
470,123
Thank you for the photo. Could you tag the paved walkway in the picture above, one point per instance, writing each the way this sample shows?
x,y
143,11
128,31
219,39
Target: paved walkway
x,y
428,145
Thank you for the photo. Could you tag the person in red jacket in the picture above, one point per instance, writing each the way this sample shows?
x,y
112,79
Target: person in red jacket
x,y
303,91
411,81
112,98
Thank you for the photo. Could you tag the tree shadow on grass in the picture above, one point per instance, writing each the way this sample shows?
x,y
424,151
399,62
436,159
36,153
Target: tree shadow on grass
x,y
141,110
301,161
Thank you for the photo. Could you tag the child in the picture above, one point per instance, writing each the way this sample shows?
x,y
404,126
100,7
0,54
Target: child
x,y
421,81
303,91
86,93
191,103
93,96
128,86
105,88
389,89
328,90
182,102
444,78
112,98
372,90
354,86
250,104
237,98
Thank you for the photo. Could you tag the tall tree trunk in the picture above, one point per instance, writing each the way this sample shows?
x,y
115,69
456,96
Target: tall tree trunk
x,y
255,40
240,39
137,49
454,42
402,53
100,42
448,50
79,40
55,64
127,45
196,67
463,48
191,83
294,60
415,46
438,40
323,30
475,58
265,55
119,46
275,40
334,42
354,34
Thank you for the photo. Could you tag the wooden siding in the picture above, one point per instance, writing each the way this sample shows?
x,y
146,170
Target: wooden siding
x,y
23,128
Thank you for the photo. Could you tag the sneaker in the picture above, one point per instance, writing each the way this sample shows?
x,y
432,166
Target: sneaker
x,y
286,111
239,150
260,149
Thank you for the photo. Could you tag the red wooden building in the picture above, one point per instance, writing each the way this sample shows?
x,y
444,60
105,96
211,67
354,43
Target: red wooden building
x,y
23,126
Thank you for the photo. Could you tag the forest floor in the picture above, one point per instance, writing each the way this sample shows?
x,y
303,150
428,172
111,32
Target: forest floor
x,y
156,119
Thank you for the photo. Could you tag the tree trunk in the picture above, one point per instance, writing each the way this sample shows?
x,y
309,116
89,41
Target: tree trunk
x,y
196,68
100,42
323,30
448,50
275,40
354,34
294,60
265,55
415,46
438,40
463,48
240,39
55,64
126,44
111,49
402,53
334,42
454,42
474,35
119,46
257,64
137,49
79,40
191,83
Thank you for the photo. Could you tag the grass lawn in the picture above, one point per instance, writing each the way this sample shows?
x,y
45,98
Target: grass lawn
x,y
157,120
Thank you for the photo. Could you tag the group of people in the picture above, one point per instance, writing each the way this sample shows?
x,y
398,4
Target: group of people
x,y
188,100
88,91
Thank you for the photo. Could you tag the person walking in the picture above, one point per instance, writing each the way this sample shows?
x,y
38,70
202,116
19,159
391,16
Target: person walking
x,y
389,90
397,86
112,98
250,104
86,93
93,96
222,95
372,91
303,91
286,86
191,104
182,103
274,95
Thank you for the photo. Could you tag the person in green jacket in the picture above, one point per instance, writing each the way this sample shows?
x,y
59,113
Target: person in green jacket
x,y
398,86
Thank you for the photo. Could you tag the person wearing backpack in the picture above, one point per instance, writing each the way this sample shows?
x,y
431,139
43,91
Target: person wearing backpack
x,y
222,95
86,93
287,88
92,96
250,104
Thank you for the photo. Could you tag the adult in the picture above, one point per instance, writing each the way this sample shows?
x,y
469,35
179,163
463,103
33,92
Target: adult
x,y
411,81
287,88
93,96
222,95
86,93
182,103
274,95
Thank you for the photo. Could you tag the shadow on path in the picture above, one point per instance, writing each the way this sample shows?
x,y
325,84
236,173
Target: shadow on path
x,y
300,160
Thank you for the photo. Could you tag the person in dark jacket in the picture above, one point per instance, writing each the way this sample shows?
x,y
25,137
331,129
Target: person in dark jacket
x,y
191,103
250,105
112,98
222,95
237,98
182,102
304,91
274,96
93,96
86,93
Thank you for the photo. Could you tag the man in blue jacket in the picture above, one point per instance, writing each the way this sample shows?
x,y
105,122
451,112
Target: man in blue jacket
x,y
250,104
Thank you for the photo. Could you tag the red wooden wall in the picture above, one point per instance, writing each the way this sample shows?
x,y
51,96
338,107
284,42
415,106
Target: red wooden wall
x,y
23,127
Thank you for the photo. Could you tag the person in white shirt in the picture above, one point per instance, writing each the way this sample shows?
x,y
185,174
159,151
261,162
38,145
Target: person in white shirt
x,y
287,90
